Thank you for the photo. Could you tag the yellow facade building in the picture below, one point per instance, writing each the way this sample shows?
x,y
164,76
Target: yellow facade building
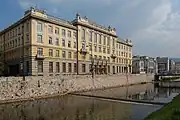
x,y
40,44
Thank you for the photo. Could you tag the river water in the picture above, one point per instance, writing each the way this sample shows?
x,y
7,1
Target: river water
x,y
87,108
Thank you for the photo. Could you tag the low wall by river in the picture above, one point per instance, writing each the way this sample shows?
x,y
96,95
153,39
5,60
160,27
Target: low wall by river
x,y
14,88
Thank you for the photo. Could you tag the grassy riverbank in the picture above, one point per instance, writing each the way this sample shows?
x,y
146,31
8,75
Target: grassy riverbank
x,y
170,111
170,78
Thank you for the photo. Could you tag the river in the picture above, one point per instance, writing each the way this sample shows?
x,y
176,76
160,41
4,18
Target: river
x,y
72,107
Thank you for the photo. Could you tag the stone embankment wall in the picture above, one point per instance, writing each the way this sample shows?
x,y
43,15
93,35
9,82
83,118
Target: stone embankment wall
x,y
14,88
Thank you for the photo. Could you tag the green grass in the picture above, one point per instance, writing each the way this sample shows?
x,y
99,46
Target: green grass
x,y
171,111
170,78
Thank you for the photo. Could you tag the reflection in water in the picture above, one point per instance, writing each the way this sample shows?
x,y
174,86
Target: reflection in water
x,y
79,108
73,108
145,92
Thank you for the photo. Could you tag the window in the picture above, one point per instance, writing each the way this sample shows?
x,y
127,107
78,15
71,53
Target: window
x,y
90,47
69,43
63,43
113,59
99,39
75,55
57,41
39,27
69,67
117,46
27,38
75,67
39,39
63,32
95,56
95,37
100,57
50,52
40,66
90,36
57,31
15,42
83,34
50,29
50,67
40,51
108,41
57,53
104,50
69,33
57,67
64,67
108,59
95,48
69,55
83,68
100,49
75,44
27,27
50,40
74,34
104,57
90,57
64,54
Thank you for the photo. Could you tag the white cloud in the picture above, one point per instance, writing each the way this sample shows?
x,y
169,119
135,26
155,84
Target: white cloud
x,y
153,25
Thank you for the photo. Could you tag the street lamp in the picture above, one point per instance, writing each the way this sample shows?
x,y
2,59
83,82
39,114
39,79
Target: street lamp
x,y
92,62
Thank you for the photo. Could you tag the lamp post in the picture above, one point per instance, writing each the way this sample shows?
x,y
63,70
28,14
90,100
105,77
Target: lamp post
x,y
92,62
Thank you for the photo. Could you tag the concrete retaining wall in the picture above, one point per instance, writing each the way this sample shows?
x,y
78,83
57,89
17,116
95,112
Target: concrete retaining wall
x,y
14,88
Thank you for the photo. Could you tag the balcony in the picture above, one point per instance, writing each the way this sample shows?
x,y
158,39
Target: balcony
x,y
40,57
113,56
83,51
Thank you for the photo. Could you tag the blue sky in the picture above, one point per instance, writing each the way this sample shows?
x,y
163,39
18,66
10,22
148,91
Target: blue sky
x,y
153,25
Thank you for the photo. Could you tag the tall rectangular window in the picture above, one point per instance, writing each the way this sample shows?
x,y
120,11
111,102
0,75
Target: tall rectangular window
x,y
83,68
57,41
74,35
75,44
108,41
63,43
39,38
83,34
100,49
50,67
69,44
27,38
50,40
69,33
69,67
95,37
104,50
51,52
95,48
57,53
75,55
57,67
99,39
64,54
40,66
90,36
63,32
39,27
40,51
104,40
69,55
57,31
50,29
64,67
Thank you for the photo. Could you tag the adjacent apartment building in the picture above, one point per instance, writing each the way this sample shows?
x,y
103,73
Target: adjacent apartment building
x,y
41,44
143,64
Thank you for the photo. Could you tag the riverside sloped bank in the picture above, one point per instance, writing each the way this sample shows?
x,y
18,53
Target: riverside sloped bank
x,y
34,87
